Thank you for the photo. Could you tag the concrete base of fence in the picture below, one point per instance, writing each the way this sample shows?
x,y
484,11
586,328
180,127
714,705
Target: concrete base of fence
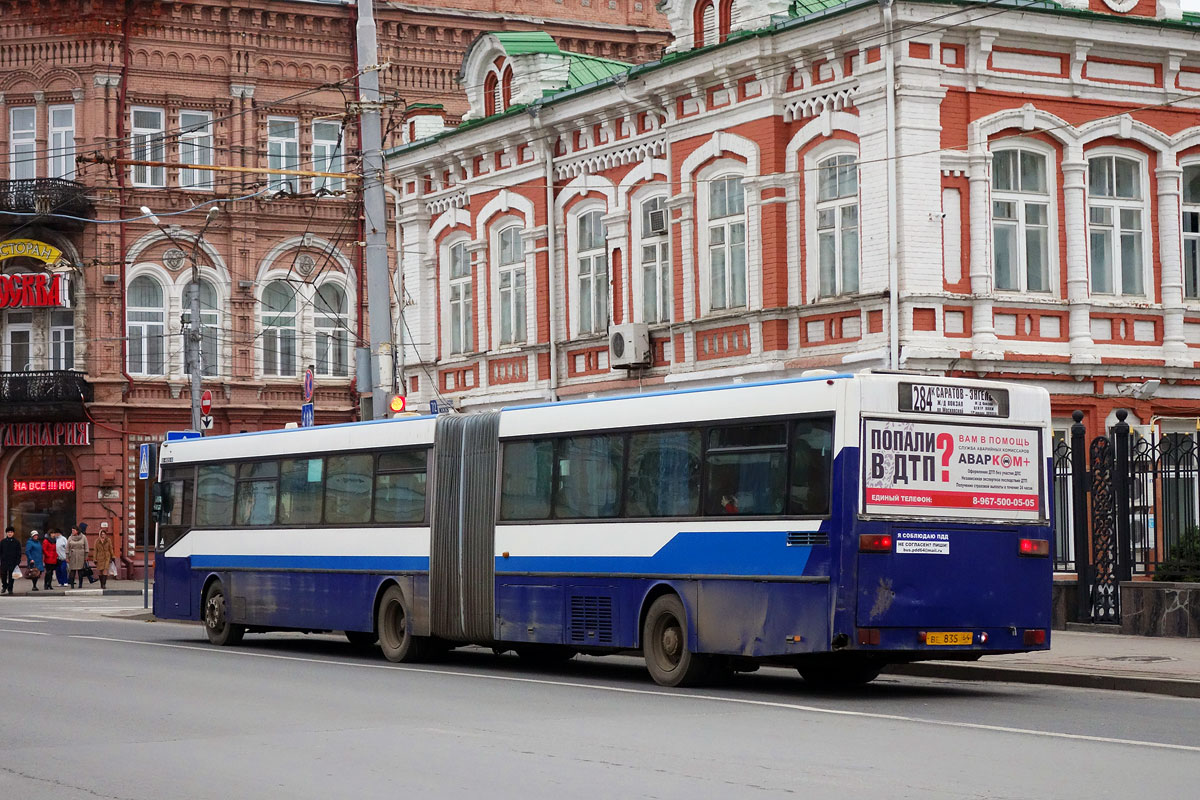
x,y
1065,605
1159,609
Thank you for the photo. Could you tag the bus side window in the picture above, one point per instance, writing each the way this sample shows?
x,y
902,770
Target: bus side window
x,y
214,496
664,474
349,485
525,480
257,487
812,467
400,481
746,470
589,477
301,485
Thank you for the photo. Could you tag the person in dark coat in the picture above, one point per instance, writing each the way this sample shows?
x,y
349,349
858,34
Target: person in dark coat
x,y
33,559
10,557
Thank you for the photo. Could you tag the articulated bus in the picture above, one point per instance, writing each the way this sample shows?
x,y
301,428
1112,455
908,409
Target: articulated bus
x,y
832,523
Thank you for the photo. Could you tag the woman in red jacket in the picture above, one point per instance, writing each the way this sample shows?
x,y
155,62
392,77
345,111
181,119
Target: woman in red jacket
x,y
50,555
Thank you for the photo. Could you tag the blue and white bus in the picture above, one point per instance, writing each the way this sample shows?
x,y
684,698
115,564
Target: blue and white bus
x,y
834,523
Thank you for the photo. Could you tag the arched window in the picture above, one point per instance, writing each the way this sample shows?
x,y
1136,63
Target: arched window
x,y
655,261
725,19
1191,231
837,225
278,320
506,89
591,258
512,285
145,327
704,23
462,337
333,342
491,95
1020,221
1116,225
727,242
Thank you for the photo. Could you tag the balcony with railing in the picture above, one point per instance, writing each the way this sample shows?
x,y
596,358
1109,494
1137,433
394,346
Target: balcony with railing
x,y
50,395
52,200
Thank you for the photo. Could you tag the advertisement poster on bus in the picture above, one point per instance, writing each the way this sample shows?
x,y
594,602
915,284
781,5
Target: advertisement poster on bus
x,y
943,470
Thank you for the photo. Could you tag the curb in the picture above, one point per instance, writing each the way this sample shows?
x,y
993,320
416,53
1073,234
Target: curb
x,y
82,593
1081,680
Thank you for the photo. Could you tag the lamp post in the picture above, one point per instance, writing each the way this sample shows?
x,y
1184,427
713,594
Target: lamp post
x,y
192,334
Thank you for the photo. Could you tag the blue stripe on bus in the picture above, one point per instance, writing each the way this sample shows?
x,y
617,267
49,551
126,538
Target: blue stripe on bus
x,y
382,564
733,553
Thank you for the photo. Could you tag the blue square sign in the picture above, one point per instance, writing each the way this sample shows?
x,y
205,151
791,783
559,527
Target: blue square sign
x,y
145,457
306,415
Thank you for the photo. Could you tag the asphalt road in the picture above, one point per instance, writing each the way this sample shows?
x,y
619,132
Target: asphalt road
x,y
149,710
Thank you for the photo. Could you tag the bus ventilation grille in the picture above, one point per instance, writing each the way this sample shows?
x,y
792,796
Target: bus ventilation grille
x,y
591,620
807,538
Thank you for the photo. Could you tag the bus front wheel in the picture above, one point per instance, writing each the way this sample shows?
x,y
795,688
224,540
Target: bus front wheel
x,y
217,625
394,624
664,645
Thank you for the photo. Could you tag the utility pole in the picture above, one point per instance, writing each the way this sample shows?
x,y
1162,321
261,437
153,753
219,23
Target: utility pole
x,y
375,256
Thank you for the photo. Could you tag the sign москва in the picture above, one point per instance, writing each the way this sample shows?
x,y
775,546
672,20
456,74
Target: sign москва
x,y
32,289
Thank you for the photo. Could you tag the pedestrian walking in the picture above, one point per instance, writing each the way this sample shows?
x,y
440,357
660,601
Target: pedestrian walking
x,y
10,558
104,556
50,556
61,541
34,564
77,553
87,567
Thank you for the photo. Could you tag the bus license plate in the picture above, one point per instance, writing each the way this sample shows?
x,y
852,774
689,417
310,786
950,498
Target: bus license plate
x,y
949,638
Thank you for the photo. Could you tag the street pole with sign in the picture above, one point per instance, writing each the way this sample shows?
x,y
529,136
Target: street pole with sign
x,y
146,458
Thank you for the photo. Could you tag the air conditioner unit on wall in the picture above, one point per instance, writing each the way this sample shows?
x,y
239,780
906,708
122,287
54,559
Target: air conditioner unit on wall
x,y
629,345
658,222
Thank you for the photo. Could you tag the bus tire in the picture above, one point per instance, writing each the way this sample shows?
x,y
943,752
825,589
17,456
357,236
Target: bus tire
x,y
664,645
361,639
832,672
394,624
220,630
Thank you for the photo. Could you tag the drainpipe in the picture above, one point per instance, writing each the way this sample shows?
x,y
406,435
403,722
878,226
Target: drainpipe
x,y
552,271
399,289
893,217
122,94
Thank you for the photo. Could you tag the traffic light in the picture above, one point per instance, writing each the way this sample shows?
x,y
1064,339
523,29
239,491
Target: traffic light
x,y
397,404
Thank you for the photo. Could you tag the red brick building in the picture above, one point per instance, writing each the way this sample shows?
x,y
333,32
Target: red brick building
x,y
92,293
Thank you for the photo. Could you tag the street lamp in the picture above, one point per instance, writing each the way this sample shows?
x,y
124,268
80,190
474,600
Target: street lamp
x,y
192,359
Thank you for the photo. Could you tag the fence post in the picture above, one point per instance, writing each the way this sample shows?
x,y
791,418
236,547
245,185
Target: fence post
x,y
1079,519
1121,481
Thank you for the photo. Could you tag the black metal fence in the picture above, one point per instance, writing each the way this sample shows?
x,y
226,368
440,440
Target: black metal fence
x,y
1126,505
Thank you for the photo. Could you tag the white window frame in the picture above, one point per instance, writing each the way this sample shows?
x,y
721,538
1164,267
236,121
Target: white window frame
x,y
147,329
62,340
512,304
211,327
60,162
462,300
196,147
1116,226
283,152
1023,202
10,327
1191,239
147,143
332,333
277,335
22,146
328,155
661,268
598,322
725,228
836,208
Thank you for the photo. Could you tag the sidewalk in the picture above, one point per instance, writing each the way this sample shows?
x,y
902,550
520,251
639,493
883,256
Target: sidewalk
x,y
23,588
1090,659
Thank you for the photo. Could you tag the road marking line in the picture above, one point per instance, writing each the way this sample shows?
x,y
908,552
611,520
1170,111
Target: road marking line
x,y
27,633
668,695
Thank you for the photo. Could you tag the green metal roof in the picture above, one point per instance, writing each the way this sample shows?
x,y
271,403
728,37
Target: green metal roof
x,y
800,8
589,69
519,43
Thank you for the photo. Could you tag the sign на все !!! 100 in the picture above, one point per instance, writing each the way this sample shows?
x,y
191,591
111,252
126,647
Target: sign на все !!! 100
x,y
951,470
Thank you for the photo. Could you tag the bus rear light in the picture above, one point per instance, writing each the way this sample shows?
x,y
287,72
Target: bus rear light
x,y
868,635
875,543
1036,636
1034,547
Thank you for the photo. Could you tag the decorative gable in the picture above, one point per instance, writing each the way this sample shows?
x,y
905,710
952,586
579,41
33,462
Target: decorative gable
x,y
501,70
702,23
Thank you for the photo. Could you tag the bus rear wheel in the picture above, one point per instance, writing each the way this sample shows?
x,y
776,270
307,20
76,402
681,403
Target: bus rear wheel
x,y
217,625
394,623
664,645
